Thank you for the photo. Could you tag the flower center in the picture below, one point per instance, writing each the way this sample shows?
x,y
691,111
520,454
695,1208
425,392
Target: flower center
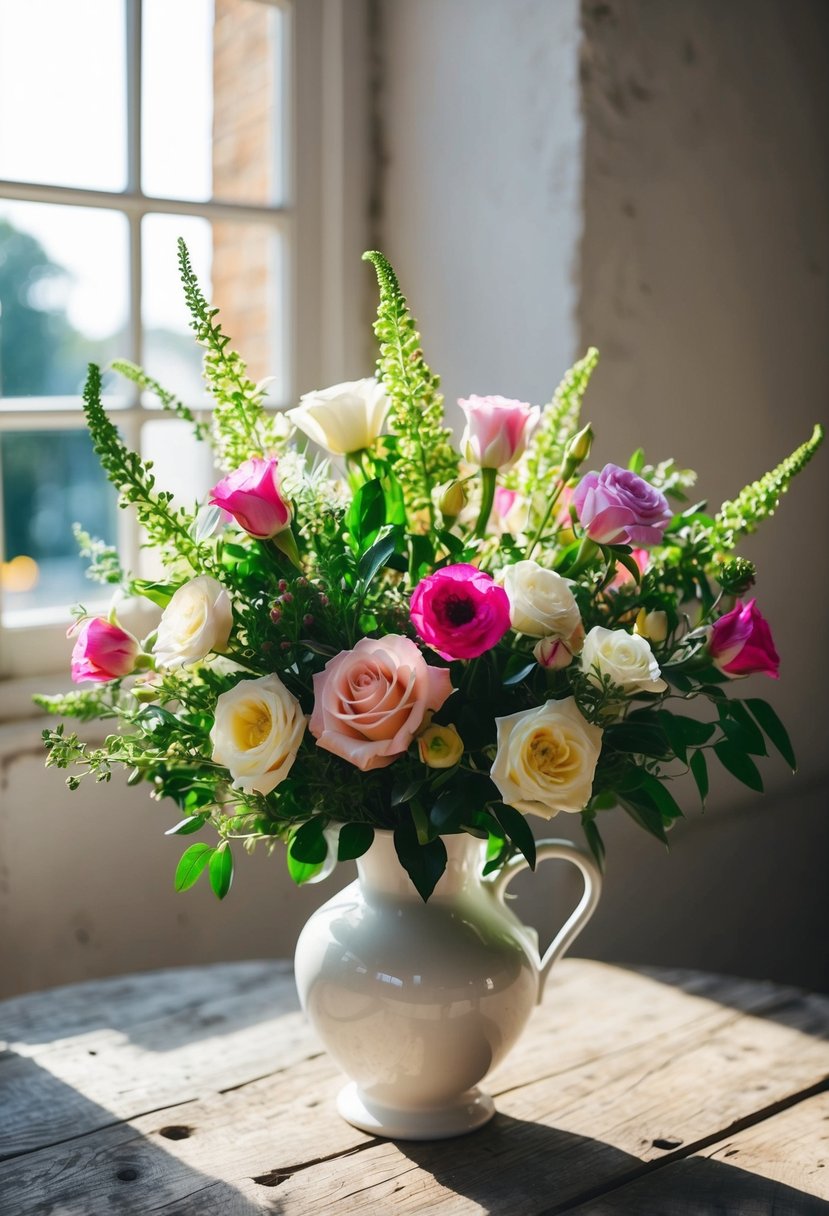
x,y
251,726
458,610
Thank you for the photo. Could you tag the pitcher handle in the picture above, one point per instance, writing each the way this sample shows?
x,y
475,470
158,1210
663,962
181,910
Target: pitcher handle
x,y
562,850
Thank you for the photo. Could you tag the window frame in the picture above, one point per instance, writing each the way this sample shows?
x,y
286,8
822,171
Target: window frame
x,y
319,202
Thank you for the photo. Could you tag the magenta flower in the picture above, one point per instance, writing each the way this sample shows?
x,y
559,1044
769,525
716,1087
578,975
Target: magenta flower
x,y
741,643
497,430
102,651
460,611
251,494
617,507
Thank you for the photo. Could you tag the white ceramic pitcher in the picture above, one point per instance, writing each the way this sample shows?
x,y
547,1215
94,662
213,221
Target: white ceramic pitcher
x,y
417,1002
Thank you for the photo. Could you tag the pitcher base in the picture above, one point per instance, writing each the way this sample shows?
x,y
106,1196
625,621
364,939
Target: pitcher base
x,y
469,1112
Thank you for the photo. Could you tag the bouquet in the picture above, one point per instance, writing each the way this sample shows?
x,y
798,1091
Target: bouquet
x,y
367,626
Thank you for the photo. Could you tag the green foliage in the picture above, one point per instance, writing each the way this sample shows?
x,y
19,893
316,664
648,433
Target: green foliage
x,y
167,400
104,564
85,704
761,498
559,422
425,457
241,426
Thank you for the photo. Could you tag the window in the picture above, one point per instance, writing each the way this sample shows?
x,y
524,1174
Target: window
x,y
124,124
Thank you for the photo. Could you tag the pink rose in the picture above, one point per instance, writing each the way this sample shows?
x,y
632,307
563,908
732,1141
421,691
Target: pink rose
x,y
102,651
497,430
741,644
252,496
460,611
370,702
617,507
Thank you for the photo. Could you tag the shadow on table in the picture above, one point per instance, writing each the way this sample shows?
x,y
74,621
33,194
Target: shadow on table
x,y
518,1166
121,1170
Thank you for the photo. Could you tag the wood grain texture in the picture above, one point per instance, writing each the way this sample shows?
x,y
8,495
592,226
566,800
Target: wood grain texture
x,y
203,1090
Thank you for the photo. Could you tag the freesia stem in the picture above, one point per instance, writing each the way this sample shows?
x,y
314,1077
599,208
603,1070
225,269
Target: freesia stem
x,y
488,479
539,532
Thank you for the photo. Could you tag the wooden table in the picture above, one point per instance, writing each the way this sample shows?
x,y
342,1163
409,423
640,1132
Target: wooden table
x,y
202,1090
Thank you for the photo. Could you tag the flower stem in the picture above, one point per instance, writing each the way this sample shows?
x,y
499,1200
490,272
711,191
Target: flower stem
x,y
488,479
539,532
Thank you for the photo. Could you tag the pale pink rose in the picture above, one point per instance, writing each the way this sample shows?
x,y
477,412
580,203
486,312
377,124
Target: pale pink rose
x,y
509,512
370,702
497,430
103,651
552,653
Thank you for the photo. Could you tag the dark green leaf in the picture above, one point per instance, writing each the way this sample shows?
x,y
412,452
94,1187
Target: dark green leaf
x,y
378,554
403,791
424,863
448,809
185,826
741,729
677,678
774,728
518,830
308,843
646,815
629,562
699,771
594,839
662,797
739,765
355,839
193,861
221,870
640,738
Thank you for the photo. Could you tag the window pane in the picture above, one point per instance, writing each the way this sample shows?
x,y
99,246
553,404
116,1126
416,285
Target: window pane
x,y
51,479
212,115
239,269
63,295
63,92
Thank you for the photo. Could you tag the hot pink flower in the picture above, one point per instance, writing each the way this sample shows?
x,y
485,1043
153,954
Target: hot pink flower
x,y
102,651
460,611
370,702
741,643
617,507
251,494
497,430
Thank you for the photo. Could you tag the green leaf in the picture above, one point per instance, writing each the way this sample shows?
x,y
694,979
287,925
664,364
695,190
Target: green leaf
x,y
517,829
646,815
699,771
594,839
379,553
221,870
739,764
355,839
517,668
628,561
193,861
404,790
185,827
158,593
747,734
637,461
640,738
774,728
449,808
664,800
308,844
367,513
424,863
301,871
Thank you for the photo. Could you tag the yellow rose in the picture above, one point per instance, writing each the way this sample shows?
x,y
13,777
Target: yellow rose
x,y
440,746
546,759
257,730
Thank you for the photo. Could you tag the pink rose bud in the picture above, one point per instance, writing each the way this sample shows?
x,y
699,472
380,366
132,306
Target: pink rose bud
x,y
497,430
618,507
740,643
460,611
103,651
251,494
552,654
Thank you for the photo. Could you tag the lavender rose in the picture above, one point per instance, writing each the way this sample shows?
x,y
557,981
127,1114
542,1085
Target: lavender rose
x,y
617,507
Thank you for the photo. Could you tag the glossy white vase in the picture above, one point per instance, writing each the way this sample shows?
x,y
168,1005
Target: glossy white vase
x,y
418,1002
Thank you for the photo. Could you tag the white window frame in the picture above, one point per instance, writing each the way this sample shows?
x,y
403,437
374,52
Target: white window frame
x,y
320,224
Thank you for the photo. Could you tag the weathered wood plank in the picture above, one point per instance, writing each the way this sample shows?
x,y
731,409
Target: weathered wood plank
x,y
778,1167
679,1066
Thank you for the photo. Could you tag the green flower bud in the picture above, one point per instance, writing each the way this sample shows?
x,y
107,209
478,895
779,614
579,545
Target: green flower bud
x,y
736,575
453,499
577,451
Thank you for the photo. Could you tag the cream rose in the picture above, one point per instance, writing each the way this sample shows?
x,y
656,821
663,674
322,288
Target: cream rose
x,y
370,702
257,730
344,418
197,620
546,759
541,602
626,658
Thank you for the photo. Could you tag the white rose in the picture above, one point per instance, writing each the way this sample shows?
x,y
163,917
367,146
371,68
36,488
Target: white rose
x,y
257,730
541,602
626,658
344,418
546,759
197,619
